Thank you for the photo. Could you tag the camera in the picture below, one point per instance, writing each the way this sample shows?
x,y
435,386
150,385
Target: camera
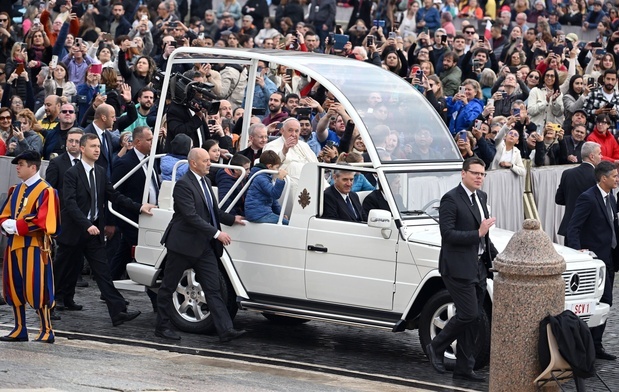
x,y
193,95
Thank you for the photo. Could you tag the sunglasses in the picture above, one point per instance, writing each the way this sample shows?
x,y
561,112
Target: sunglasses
x,y
534,76
3,20
67,111
5,118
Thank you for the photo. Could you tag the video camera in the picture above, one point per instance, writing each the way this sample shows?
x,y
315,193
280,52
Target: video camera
x,y
193,95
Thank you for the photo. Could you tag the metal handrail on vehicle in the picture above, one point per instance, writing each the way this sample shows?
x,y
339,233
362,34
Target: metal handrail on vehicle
x,y
246,186
121,181
219,165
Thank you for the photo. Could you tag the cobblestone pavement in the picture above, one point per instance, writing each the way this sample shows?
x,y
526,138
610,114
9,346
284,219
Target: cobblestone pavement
x,y
371,353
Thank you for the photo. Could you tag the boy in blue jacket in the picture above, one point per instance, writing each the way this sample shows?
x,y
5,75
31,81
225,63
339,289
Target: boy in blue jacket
x,y
261,205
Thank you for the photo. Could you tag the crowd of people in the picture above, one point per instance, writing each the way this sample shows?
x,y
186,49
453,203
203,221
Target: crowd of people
x,y
510,85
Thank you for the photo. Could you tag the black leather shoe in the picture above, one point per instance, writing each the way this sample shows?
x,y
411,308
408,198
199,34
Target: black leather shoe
x,y
124,316
72,306
54,316
600,353
231,334
10,339
167,333
81,283
435,361
470,376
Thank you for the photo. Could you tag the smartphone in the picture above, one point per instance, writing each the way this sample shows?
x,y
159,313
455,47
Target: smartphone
x,y
59,91
490,102
462,135
107,37
132,44
144,17
17,125
90,7
609,105
36,21
370,40
54,62
600,52
462,90
19,69
330,143
24,46
481,40
581,45
392,35
201,36
444,39
289,72
211,122
258,111
130,138
503,94
174,43
303,111
591,81
516,112
419,74
279,126
478,124
102,89
259,70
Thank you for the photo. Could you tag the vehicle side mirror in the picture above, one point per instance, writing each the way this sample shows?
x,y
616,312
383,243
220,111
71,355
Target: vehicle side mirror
x,y
381,219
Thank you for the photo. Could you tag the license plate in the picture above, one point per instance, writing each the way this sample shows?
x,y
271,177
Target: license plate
x,y
580,308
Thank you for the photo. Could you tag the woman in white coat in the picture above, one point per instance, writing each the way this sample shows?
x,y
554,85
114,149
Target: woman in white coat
x,y
507,154
545,103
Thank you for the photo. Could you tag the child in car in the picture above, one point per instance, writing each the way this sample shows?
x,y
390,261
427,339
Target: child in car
x,y
261,205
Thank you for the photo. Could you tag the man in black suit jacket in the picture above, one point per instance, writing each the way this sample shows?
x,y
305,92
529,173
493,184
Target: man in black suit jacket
x,y
194,240
105,116
466,254
133,188
575,181
58,166
593,227
180,120
340,202
82,216
571,146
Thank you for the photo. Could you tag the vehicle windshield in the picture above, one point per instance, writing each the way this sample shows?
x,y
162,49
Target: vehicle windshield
x,y
417,194
402,124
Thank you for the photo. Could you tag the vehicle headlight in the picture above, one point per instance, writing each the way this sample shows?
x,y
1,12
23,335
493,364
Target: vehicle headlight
x,y
601,277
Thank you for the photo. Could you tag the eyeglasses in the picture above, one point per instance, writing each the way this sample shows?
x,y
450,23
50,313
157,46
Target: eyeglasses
x,y
7,118
534,77
469,32
477,174
3,20
67,111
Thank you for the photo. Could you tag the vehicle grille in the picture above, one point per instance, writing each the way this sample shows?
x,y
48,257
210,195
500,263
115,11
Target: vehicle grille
x,y
586,281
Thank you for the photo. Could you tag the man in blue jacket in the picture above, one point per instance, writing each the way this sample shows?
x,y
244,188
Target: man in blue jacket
x,y
428,17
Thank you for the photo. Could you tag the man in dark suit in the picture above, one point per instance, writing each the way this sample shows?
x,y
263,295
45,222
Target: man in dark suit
x,y
593,227
194,240
133,188
571,146
85,192
105,116
54,175
575,181
340,202
466,254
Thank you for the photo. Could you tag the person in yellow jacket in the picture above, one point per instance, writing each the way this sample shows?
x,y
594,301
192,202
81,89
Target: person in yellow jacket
x,y
29,216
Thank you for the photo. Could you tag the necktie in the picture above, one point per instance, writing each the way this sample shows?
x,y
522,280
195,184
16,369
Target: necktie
x,y
104,146
609,211
209,202
93,195
75,160
477,214
351,208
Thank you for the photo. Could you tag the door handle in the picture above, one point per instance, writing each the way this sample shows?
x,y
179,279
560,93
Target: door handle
x,y
317,248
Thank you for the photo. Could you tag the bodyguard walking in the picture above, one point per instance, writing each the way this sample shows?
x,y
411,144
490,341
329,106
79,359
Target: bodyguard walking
x,y
466,254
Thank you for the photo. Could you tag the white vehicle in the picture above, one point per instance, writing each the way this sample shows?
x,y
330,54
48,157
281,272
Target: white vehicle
x,y
383,273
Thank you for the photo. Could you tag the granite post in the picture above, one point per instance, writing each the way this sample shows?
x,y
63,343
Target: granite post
x,y
527,287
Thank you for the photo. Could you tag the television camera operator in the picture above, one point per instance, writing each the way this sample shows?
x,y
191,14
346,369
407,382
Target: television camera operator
x,y
192,103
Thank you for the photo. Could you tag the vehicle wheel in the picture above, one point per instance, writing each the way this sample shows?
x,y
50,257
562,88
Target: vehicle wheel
x,y
190,312
435,314
284,320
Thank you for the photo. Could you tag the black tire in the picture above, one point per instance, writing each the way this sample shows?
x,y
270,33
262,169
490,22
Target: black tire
x,y
189,311
284,320
434,316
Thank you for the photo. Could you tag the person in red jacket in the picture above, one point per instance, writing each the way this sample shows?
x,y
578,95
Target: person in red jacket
x,y
53,28
606,140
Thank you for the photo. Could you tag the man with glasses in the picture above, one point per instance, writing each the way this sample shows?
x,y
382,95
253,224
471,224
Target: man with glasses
x,y
604,100
56,139
602,136
466,255
470,37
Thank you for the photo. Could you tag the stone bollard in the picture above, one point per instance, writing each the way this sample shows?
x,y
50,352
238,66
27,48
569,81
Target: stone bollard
x,y
527,287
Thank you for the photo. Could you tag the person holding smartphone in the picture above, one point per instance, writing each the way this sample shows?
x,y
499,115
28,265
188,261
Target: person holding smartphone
x,y
603,100
464,107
